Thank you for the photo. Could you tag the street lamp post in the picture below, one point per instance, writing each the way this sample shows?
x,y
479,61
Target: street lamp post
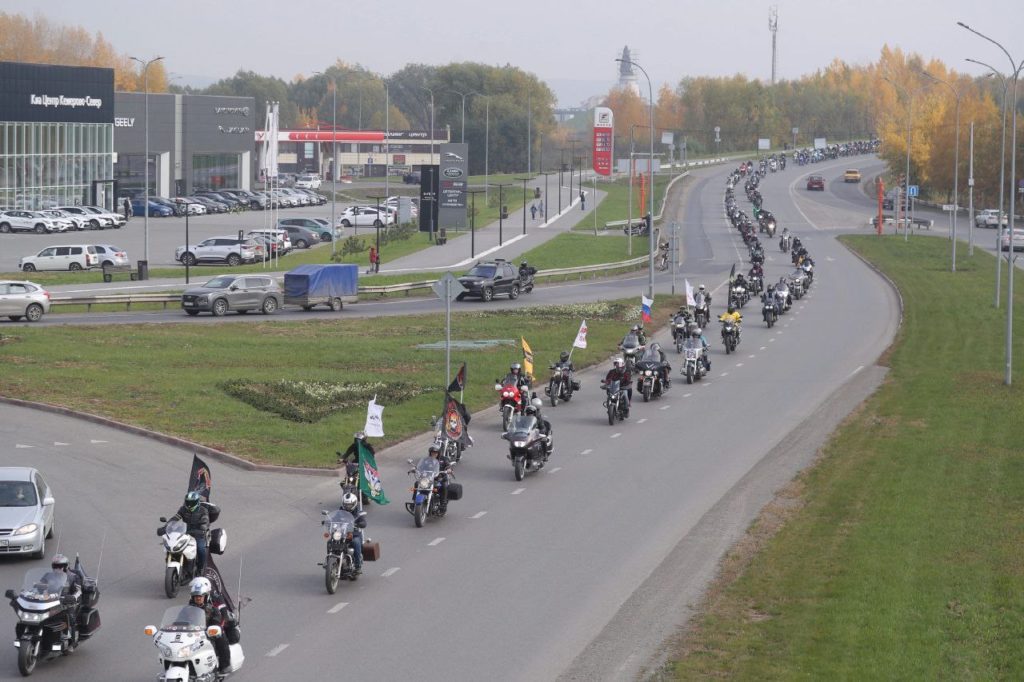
x,y
462,137
378,223
561,165
334,157
145,222
524,181
431,123
546,174
910,122
1016,69
387,137
650,171
956,161
472,221
501,210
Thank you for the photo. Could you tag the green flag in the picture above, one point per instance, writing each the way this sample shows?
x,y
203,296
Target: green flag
x,y
369,476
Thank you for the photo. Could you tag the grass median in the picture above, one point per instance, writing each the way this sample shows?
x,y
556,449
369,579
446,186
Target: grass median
x,y
901,556
293,392
615,205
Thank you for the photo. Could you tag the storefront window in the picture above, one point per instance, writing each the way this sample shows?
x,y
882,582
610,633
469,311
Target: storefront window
x,y
215,171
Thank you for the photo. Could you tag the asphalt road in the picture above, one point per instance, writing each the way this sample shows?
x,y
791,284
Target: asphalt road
x,y
520,577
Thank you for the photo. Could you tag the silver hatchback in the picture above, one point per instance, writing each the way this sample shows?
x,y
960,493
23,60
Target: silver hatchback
x,y
26,512
20,299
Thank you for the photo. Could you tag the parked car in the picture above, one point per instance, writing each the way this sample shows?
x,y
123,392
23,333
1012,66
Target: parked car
x,y
66,222
111,256
488,279
116,219
321,226
990,217
284,240
816,182
302,237
851,175
1018,240
156,209
93,221
361,216
27,221
307,181
211,205
253,200
315,198
190,206
26,511
240,293
230,201
73,257
230,250
176,208
20,299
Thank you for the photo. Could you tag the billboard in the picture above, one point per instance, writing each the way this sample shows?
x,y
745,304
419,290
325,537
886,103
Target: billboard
x,y
820,143
451,185
56,94
428,199
764,143
604,135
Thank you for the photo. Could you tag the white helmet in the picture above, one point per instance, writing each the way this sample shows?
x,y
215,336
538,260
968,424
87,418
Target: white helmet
x,y
200,586
538,403
701,287
617,362
349,501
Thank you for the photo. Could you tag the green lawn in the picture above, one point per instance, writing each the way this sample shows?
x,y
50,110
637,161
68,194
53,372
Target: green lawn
x,y
904,560
615,205
174,377
572,249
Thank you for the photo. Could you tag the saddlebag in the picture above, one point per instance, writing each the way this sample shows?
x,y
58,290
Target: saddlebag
x,y
88,623
371,551
213,510
454,491
218,541
576,385
90,593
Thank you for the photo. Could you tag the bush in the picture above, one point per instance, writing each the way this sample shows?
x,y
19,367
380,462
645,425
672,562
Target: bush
x,y
311,401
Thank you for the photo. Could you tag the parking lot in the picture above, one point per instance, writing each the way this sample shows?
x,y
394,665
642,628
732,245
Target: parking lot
x,y
165,234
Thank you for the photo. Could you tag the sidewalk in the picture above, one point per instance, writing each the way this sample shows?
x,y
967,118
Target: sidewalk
x,y
456,254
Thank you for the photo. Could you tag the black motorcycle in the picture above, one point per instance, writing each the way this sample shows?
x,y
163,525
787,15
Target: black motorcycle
x,y
616,402
431,491
769,314
52,620
730,336
650,378
631,350
528,448
561,385
526,281
339,563
785,242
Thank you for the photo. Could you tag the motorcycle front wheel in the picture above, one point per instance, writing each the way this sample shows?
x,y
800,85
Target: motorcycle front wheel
x,y
332,574
647,392
553,391
27,657
611,413
171,582
506,418
689,375
519,468
419,514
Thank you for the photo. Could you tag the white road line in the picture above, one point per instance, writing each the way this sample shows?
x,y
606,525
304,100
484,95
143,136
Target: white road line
x,y
435,542
751,357
786,325
772,340
706,384
724,374
390,572
97,441
855,371
615,435
21,445
551,471
478,515
687,395
641,421
739,364
665,407
517,491
337,607
761,348
586,452
276,650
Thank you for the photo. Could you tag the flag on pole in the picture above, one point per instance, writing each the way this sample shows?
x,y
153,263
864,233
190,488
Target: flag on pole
x,y
459,382
199,479
732,275
455,420
374,419
581,336
645,308
527,358
690,300
369,475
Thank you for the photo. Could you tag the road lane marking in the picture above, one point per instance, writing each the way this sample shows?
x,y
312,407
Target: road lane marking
x,y
739,364
706,384
762,348
586,452
665,407
551,471
57,443
517,491
435,542
337,607
478,515
276,650
97,441
390,572
21,445
855,371
724,374
615,435
641,421
751,357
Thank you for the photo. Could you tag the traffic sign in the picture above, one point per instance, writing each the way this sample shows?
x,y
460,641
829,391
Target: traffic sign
x,y
454,287
912,190
949,207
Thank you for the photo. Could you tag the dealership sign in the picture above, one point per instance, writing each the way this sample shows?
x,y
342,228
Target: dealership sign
x,y
452,185
604,136
56,94
64,101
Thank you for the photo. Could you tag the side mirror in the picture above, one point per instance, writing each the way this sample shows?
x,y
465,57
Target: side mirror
x,y
163,519
323,512
497,385
233,287
410,461
48,501
10,594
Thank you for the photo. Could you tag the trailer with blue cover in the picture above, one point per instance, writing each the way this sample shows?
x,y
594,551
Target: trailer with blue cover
x,y
328,285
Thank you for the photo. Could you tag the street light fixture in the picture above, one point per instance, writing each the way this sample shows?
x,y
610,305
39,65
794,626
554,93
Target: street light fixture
x,y
463,95
145,222
546,174
378,222
650,170
956,159
910,121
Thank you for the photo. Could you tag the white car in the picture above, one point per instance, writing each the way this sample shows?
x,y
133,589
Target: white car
x,y
1018,240
26,511
70,257
74,222
230,250
95,221
308,181
990,217
28,221
361,216
20,299
192,207
111,256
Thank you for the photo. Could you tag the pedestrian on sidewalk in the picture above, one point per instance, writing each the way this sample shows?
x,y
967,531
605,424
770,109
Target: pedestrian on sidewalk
x,y
583,200
373,258
127,208
533,211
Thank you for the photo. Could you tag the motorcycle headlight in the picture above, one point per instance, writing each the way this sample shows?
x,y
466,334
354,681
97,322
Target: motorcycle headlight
x,y
648,372
180,544
519,443
26,529
32,616
423,483
165,650
336,535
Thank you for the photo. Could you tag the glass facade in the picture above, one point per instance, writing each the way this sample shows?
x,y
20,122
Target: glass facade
x,y
53,164
215,171
130,174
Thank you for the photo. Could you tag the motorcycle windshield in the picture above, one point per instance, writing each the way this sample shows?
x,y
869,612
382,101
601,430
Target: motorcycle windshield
x,y
175,526
630,342
183,619
651,356
428,466
613,387
523,424
42,584
693,344
341,520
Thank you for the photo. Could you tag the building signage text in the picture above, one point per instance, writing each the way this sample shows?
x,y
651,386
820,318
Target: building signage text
x,y
243,111
124,122
65,101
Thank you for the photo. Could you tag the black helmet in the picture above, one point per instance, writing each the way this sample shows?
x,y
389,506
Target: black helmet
x,y
434,448
523,264
60,563
192,500
564,356
731,310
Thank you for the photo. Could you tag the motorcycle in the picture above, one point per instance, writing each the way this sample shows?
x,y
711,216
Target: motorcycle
x,y
702,313
339,563
527,447
768,313
426,490
180,565
756,284
738,296
679,325
510,402
562,385
525,282
662,259
730,336
649,382
615,402
631,350
51,623
693,361
186,648
785,243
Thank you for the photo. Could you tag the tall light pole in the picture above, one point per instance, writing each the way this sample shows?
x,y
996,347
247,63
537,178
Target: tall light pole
x,y
462,136
487,147
524,181
1015,69
910,124
546,174
334,156
650,170
1002,179
387,138
956,160
629,214
431,123
529,133
145,222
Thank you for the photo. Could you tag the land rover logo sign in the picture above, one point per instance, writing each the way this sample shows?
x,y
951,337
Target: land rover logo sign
x,y
451,188
453,172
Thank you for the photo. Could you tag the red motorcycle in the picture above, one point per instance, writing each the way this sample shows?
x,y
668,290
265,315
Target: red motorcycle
x,y
510,403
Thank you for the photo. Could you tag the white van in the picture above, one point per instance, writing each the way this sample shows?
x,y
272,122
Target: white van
x,y
71,257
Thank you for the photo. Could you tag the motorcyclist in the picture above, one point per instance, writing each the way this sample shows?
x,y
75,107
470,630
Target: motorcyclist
x,y
733,316
698,333
756,271
216,611
641,337
434,452
565,361
526,271
520,380
654,352
543,425
619,373
350,503
60,564
197,518
351,455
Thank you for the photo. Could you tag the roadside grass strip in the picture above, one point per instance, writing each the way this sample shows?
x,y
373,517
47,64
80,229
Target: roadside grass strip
x,y
898,555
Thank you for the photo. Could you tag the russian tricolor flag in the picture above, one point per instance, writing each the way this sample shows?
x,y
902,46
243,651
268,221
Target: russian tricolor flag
x,y
645,308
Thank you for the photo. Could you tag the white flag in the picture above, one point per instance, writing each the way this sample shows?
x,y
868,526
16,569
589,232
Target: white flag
x,y
581,336
374,419
689,294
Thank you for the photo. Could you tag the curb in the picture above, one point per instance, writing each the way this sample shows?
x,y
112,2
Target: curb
x,y
892,285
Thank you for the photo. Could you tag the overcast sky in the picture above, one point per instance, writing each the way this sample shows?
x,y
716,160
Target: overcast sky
x,y
571,45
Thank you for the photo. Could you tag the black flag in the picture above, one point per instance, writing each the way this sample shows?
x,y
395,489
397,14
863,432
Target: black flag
x,y
732,275
455,420
200,480
212,573
459,383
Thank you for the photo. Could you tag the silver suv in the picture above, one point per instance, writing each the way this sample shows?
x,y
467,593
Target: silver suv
x,y
240,293
230,250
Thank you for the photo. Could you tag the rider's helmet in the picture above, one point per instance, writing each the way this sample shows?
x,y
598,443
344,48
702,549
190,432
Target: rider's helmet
x,y
192,500
701,287
349,502
514,368
200,587
564,356
434,449
635,328
59,563
536,404
360,435
697,332
732,310
523,264
617,363
655,347
530,410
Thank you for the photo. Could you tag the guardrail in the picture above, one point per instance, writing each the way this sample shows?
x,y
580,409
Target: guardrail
x,y
116,299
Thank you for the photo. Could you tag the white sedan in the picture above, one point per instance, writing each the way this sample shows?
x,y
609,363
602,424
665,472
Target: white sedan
x,y
366,216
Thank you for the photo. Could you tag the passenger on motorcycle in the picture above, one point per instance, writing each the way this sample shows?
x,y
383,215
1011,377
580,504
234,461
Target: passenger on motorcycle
x,y
641,337
197,517
543,425
619,373
654,353
217,613
526,271
350,503
698,333
757,271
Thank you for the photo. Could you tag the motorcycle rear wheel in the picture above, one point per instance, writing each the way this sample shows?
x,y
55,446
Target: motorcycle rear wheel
x,y
331,575
419,514
171,582
27,658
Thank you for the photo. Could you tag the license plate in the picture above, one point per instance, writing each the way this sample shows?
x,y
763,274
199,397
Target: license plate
x,y
188,303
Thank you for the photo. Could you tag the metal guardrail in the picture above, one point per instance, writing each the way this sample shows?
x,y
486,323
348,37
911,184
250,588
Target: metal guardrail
x,y
116,299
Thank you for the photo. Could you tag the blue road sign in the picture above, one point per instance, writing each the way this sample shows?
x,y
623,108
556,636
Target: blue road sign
x,y
912,191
